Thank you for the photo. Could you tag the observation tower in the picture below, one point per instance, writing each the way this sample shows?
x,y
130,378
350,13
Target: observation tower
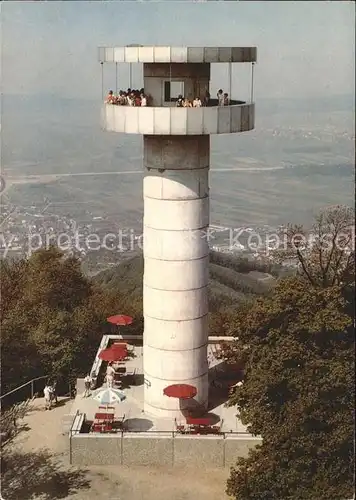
x,y
176,207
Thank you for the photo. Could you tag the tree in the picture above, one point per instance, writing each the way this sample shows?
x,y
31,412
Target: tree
x,y
52,318
297,349
326,253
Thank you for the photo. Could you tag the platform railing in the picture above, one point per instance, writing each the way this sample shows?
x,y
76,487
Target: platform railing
x,y
211,104
171,434
120,432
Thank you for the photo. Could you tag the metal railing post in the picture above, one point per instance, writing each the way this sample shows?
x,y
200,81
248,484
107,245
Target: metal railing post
x,y
102,80
70,447
252,81
224,450
31,389
173,448
230,81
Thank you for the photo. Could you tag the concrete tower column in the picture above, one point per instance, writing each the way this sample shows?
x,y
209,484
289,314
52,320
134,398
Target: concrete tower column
x,y
175,292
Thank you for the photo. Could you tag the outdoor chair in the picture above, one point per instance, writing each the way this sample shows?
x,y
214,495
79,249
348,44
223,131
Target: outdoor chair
x,y
179,427
118,383
119,422
101,427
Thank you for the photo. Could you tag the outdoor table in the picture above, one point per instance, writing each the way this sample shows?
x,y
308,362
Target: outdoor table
x,y
198,421
124,372
101,427
199,425
104,416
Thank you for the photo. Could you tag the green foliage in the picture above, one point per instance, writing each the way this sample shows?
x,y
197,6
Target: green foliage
x,y
52,318
297,349
245,265
229,284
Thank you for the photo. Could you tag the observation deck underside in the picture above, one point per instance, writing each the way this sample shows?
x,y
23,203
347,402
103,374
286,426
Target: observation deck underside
x,y
179,121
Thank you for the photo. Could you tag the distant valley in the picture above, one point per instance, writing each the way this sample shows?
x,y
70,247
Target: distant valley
x,y
65,168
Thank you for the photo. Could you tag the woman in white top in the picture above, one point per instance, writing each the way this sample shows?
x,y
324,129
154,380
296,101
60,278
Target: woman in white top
x,y
143,100
47,392
110,372
197,103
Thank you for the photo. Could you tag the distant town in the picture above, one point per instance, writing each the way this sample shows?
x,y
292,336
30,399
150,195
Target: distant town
x,y
99,242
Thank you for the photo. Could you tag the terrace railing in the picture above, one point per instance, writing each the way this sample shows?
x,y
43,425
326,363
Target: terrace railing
x,y
30,383
32,392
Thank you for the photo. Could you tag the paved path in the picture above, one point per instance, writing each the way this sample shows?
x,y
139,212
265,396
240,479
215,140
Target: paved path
x,y
40,470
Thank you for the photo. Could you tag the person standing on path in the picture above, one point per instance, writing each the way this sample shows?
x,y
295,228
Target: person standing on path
x,y
47,392
54,392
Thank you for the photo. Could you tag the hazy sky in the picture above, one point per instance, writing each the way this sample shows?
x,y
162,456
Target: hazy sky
x,y
304,48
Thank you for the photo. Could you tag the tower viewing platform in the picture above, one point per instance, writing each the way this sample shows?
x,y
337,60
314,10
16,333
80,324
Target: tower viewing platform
x,y
176,206
186,69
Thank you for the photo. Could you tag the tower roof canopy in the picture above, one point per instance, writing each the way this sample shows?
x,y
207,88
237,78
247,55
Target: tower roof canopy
x,y
163,54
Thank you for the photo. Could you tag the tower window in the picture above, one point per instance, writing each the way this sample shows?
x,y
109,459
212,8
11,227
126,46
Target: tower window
x,y
172,90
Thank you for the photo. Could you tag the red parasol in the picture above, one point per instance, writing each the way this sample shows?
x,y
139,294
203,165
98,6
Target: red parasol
x,y
110,355
120,320
119,350
180,391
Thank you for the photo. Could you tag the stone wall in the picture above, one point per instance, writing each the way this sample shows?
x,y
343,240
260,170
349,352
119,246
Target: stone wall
x,y
161,449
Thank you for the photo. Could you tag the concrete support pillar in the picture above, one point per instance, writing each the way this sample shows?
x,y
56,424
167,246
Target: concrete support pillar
x,y
176,253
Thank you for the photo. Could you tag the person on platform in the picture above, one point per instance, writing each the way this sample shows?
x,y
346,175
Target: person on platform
x,y
206,99
220,96
92,381
121,98
87,384
226,101
180,101
137,99
131,99
197,103
110,373
110,98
